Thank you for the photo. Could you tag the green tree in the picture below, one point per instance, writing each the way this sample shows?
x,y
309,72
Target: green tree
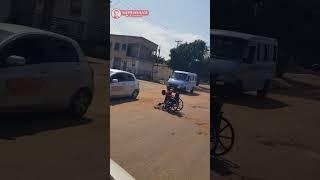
x,y
188,55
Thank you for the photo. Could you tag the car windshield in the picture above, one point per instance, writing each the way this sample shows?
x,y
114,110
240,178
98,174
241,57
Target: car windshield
x,y
4,35
227,48
179,76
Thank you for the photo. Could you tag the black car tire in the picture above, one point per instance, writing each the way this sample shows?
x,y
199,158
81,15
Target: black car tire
x,y
135,94
80,102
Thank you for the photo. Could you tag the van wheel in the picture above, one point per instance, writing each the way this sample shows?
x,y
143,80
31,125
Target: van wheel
x,y
239,89
135,94
191,91
262,93
80,103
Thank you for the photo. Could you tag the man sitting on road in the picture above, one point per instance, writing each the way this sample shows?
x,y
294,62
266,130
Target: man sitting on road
x,y
168,96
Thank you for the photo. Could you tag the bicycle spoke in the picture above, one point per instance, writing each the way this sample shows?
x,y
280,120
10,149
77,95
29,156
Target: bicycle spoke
x,y
223,128
224,147
225,137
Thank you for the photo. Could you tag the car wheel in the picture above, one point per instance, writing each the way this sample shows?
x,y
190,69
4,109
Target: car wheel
x,y
80,103
135,94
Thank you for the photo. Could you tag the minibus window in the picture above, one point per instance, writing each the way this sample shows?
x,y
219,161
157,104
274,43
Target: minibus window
x,y
265,52
258,53
274,53
228,48
252,50
179,76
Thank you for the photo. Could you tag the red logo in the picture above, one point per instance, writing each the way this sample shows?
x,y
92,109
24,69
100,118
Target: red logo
x,y
117,13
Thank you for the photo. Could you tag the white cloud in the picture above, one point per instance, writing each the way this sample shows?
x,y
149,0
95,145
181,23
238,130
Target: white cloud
x,y
162,36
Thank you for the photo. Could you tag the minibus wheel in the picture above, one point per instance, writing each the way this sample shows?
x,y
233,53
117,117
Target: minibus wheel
x,y
191,91
262,93
239,88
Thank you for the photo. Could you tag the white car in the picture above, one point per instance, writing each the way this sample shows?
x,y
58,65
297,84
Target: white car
x,y
123,84
42,70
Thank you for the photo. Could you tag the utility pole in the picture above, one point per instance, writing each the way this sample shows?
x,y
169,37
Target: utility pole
x,y
178,42
159,52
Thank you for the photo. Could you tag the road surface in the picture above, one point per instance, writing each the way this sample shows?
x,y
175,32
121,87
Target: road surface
x,y
52,146
277,138
153,144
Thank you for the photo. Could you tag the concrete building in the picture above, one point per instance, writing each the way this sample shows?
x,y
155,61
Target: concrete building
x,y
82,20
133,54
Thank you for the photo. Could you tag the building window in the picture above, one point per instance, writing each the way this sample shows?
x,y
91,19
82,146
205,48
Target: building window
x,y
116,63
75,7
124,47
117,46
132,50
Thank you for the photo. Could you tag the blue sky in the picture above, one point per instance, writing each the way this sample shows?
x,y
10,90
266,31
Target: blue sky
x,y
169,20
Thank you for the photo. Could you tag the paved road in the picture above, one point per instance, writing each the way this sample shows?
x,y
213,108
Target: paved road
x,y
51,146
152,144
277,138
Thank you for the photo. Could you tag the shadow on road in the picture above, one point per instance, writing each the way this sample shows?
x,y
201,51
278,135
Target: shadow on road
x,y
13,126
255,102
117,101
222,166
178,114
299,89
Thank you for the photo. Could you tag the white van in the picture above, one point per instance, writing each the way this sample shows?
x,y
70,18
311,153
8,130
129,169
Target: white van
x,y
243,61
184,81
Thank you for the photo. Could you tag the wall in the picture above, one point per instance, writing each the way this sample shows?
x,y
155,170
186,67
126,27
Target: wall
x,y
4,10
144,69
97,18
161,72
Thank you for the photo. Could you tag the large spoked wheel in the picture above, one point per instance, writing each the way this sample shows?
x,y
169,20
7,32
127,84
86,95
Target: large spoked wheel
x,y
180,106
172,105
225,139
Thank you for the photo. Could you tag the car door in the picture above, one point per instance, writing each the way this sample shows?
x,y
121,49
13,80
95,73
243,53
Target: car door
x,y
247,68
64,71
193,81
131,86
120,88
22,85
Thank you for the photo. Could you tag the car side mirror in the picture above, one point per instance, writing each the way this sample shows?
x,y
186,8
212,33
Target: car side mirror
x,y
115,80
15,61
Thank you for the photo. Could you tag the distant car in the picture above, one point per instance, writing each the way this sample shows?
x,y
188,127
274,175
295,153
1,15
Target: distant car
x,y
42,70
123,84
183,81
